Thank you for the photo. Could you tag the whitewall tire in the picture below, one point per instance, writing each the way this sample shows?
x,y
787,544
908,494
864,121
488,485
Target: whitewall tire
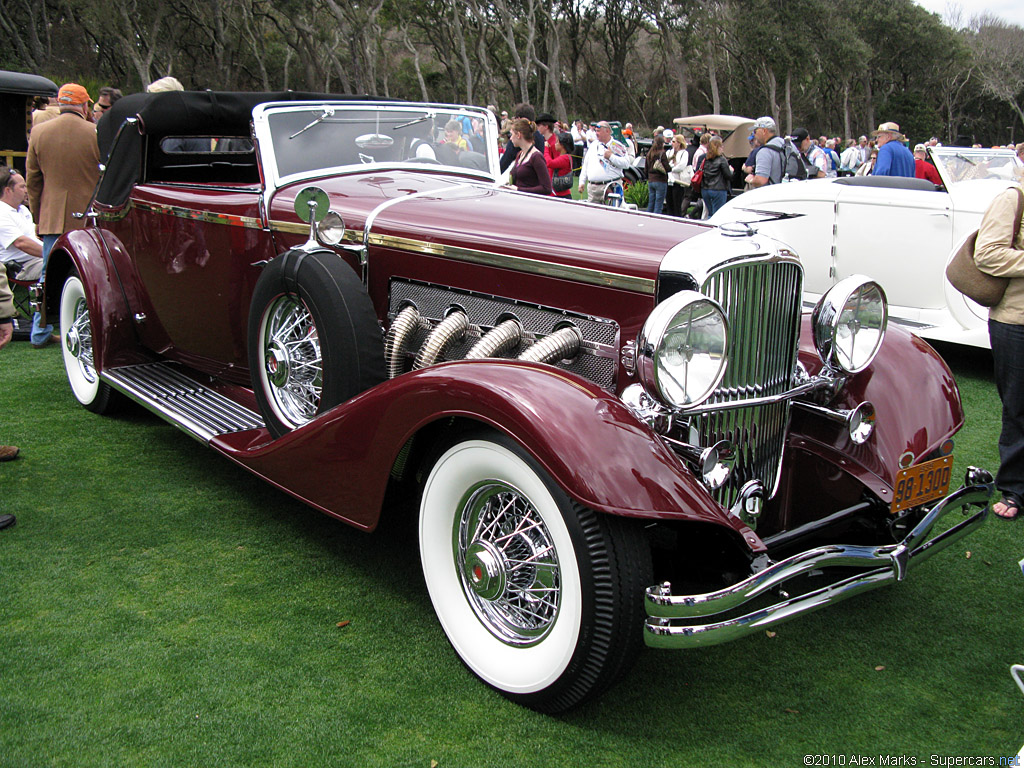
x,y
540,597
76,341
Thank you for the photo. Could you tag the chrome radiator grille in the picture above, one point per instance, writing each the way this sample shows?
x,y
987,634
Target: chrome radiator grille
x,y
762,302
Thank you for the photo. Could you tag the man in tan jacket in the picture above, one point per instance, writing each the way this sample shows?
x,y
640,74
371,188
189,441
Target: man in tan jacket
x,y
62,171
999,251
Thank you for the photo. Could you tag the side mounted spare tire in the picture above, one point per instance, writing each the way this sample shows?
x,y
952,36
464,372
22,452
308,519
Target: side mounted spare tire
x,y
314,341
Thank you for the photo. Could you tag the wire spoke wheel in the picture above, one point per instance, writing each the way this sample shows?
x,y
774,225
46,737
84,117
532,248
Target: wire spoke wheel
x,y
508,564
291,360
541,597
78,340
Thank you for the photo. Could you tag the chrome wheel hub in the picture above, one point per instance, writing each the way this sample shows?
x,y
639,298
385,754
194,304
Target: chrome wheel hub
x,y
292,361
484,570
72,342
277,364
507,563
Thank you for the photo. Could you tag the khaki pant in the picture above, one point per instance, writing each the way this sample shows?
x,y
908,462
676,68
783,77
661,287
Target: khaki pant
x,y
6,297
595,191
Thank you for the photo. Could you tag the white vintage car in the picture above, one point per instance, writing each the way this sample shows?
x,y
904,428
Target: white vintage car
x,y
899,231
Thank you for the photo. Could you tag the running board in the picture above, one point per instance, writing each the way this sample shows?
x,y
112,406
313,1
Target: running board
x,y
170,394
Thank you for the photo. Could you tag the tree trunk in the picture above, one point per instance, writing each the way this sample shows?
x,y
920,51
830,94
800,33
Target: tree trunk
x,y
869,100
458,31
716,101
846,110
415,63
789,102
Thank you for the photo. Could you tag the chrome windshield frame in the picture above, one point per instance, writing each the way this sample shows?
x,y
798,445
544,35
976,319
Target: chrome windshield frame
x,y
265,139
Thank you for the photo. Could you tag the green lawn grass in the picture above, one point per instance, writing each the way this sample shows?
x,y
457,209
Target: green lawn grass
x,y
162,607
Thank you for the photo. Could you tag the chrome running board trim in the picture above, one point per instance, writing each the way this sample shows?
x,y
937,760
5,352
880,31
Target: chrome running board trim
x,y
196,410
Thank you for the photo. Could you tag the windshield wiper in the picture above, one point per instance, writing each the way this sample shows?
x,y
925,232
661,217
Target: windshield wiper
x,y
965,159
328,112
770,215
415,121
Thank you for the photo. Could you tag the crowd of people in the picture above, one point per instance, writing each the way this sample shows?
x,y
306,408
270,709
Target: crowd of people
x,y
672,162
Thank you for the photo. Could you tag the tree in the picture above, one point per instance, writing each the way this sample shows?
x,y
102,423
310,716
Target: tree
x,y
999,48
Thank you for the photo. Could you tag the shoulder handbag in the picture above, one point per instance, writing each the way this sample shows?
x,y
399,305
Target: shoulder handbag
x,y
963,273
561,183
698,175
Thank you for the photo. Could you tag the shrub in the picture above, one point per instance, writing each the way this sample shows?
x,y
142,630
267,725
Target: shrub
x,y
636,194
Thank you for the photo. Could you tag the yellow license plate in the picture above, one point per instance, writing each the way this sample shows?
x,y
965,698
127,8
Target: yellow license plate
x,y
921,483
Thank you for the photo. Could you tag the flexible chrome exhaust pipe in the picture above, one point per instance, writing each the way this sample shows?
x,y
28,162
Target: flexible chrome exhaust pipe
x,y
503,338
399,334
563,344
450,329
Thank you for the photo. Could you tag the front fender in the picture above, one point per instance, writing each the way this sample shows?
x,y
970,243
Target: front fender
x,y
917,407
586,439
83,251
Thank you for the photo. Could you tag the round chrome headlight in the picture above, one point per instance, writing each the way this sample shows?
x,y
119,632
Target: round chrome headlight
x,y
849,323
681,351
330,230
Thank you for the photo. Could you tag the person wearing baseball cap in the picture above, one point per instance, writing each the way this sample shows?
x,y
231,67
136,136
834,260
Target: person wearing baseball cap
x,y
768,167
814,156
72,95
62,168
894,159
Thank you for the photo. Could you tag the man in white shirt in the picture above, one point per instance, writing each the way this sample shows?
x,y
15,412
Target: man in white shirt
x,y
603,163
18,242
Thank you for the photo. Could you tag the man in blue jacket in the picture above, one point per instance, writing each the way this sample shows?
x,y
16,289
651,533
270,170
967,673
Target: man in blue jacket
x,y
894,159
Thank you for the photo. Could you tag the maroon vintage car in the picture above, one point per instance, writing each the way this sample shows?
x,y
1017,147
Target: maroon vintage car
x,y
620,427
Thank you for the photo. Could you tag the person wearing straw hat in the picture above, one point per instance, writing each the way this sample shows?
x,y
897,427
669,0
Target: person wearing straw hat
x,y
894,159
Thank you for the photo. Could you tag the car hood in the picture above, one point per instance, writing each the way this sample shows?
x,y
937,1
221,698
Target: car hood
x,y
488,219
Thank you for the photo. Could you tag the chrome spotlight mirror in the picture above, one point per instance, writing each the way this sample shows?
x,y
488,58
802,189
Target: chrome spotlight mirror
x,y
311,204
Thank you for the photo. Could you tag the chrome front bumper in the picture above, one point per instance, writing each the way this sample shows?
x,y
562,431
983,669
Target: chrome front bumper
x,y
682,621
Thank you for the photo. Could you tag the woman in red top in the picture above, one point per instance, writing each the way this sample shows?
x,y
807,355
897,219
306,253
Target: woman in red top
x,y
559,160
529,171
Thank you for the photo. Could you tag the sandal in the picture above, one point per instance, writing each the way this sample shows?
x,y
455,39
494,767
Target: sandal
x,y
1010,501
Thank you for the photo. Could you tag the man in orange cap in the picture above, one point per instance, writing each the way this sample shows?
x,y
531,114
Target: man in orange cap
x,y
62,171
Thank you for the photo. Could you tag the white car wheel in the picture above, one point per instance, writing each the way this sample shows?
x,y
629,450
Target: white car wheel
x,y
516,572
77,347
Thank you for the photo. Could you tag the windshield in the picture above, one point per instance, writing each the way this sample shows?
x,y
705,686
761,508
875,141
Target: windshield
x,y
958,164
310,138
